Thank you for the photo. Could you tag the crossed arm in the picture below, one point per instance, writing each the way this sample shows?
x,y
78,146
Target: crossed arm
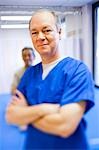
x,y
50,118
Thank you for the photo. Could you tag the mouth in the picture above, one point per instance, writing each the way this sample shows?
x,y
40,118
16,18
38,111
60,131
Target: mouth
x,y
41,45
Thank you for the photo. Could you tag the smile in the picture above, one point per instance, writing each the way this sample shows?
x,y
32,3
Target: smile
x,y
43,45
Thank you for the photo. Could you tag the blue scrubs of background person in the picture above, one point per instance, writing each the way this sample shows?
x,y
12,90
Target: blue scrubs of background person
x,y
54,95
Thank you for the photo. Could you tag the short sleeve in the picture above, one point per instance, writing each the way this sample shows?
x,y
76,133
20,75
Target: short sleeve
x,y
80,87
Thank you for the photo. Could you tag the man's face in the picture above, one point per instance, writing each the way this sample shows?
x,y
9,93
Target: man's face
x,y
28,57
44,33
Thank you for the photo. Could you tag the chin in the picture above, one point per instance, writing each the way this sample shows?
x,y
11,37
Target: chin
x,y
43,51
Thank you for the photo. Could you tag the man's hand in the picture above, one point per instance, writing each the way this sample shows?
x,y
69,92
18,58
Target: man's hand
x,y
17,106
18,99
15,114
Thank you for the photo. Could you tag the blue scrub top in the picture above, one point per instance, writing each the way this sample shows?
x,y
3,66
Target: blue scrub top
x,y
69,81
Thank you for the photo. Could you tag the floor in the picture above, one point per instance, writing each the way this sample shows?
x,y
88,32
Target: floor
x,y
11,137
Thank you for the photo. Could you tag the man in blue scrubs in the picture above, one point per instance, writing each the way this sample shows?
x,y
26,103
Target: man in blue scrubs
x,y
54,95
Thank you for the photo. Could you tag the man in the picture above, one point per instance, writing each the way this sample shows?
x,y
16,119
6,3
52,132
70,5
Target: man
x,y
52,96
28,57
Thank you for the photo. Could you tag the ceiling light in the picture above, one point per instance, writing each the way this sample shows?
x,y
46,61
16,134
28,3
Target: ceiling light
x,y
15,26
18,18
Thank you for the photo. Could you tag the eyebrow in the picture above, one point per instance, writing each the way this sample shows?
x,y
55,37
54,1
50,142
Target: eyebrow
x,y
45,27
32,29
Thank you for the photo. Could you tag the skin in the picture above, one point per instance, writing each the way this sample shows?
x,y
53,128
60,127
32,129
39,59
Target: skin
x,y
27,57
49,118
45,36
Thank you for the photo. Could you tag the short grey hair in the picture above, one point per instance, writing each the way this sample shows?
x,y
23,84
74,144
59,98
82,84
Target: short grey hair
x,y
57,19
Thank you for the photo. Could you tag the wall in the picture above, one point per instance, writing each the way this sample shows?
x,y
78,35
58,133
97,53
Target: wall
x,y
11,43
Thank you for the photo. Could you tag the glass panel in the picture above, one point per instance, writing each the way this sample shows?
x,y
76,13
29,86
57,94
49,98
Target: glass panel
x,y
96,48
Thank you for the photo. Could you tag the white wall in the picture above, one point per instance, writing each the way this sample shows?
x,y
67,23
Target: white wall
x,y
87,35
11,43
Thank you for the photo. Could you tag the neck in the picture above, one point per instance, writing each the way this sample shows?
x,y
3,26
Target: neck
x,y
49,59
26,66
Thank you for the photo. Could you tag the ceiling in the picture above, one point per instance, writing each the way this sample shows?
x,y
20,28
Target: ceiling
x,y
45,2
28,6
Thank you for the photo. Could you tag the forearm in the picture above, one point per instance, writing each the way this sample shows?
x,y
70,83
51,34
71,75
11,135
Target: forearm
x,y
65,122
52,124
25,115
21,115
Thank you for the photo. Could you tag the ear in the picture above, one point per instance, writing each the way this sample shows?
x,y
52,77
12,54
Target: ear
x,y
59,33
59,30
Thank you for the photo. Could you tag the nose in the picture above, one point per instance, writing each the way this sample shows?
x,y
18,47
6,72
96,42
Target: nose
x,y
27,58
41,36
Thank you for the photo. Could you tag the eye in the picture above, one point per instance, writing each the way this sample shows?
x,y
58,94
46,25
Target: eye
x,y
34,33
47,31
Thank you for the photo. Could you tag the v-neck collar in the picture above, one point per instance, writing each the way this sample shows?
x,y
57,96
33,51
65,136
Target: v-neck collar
x,y
51,71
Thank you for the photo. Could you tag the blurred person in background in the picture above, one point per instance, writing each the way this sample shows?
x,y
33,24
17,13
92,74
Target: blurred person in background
x,y
28,57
